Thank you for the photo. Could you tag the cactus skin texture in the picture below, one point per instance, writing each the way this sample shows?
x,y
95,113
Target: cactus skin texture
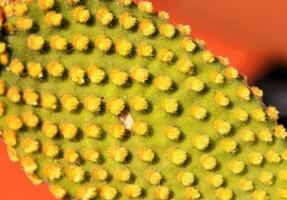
x,y
105,99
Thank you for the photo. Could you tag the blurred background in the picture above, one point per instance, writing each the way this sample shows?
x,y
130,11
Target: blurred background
x,y
252,34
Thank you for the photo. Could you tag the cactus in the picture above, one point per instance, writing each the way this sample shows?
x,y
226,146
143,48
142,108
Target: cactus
x,y
105,99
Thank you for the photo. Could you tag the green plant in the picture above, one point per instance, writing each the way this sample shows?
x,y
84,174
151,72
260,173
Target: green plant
x,y
106,99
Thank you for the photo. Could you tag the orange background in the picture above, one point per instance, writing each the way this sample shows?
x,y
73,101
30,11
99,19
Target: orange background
x,y
248,32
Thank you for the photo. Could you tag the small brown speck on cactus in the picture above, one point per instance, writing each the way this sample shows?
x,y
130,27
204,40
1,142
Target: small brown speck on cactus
x,y
105,99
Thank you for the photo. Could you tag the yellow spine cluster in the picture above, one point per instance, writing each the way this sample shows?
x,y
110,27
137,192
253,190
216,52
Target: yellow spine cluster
x,y
81,14
104,16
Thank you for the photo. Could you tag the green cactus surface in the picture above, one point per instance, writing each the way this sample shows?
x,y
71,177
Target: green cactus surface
x,y
105,99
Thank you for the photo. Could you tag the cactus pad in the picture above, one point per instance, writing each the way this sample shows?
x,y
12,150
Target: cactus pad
x,y
105,99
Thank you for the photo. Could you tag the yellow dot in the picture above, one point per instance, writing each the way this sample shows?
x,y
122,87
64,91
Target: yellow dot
x,y
172,133
116,105
255,158
265,135
16,66
222,127
14,122
236,166
53,19
228,145
100,174
144,49
258,114
118,154
48,100
163,15
55,69
194,84
192,193
92,103
147,27
122,174
231,73
208,162
272,113
24,23
2,87
71,156
58,43
153,177
75,173
215,180
200,141
163,83
107,192
92,130
243,92
165,55
9,10
247,135
20,9
104,16
10,137
145,6
35,70
139,103
92,155
162,192
139,74
184,29
86,192
177,156
57,191
280,131
30,119
167,30
125,2
266,177
217,77
4,58
187,44
272,156
12,153
198,112
68,130
35,179
284,154
80,42
77,75
95,74
240,114
185,178
69,102
49,129
2,108
119,77
257,92
123,47
208,57
29,145
50,149
245,184
145,154
81,14
103,43
118,131
2,47
170,105
260,195
282,175
185,65
282,193
35,42
224,193
29,164
30,97
46,4
221,99
133,190
13,94
127,20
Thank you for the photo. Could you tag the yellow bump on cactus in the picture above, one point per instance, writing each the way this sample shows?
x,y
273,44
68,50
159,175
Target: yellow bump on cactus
x,y
118,131
92,130
145,6
272,113
184,29
24,23
198,112
92,103
57,191
200,141
163,83
69,102
144,49
116,105
2,108
185,178
222,127
258,114
50,149
58,43
77,75
153,177
75,173
243,92
147,27
215,180
272,156
10,137
266,177
71,156
14,122
265,135
167,30
192,193
53,19
95,74
13,94
228,145
133,190
119,77
123,47
100,174
55,69
245,184
165,55
240,114
103,43
138,103
162,192
224,193
107,192
49,129
282,175
30,119
140,128
92,155
86,192
187,44
177,156
29,165
256,92
280,131
247,135
127,20
68,130
255,158
221,99
81,14
185,65
29,145
208,162
231,73
104,16
217,77
145,154
46,4
260,195
163,15
16,66
35,70
139,74
4,58
194,84
236,166
118,154
172,133
122,174
80,42
2,87
36,180
170,105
